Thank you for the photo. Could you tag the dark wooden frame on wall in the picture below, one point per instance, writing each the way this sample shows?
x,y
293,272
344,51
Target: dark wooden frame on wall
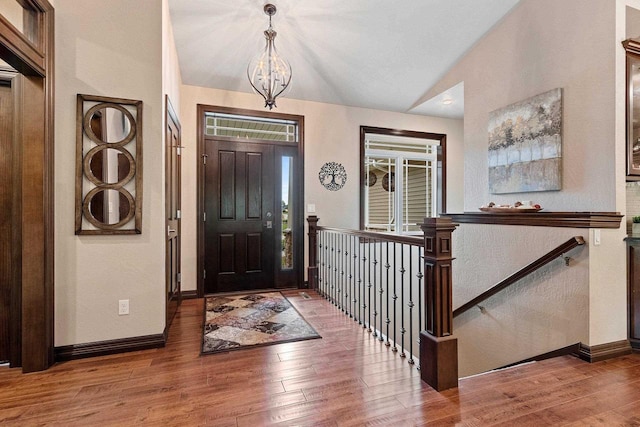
x,y
33,301
632,52
82,165
299,194
442,157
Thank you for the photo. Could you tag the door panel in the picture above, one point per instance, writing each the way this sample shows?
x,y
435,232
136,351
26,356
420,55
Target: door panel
x,y
254,253
254,186
239,205
227,178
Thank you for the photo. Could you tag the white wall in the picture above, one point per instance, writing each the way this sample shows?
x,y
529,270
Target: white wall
x,y
109,48
332,133
541,45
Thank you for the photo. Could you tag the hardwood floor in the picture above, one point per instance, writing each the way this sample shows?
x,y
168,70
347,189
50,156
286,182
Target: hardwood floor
x,y
346,379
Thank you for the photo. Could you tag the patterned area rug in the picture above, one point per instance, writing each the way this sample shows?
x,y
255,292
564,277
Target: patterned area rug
x,y
234,322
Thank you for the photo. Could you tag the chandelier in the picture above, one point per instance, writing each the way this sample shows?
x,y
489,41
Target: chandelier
x,y
269,74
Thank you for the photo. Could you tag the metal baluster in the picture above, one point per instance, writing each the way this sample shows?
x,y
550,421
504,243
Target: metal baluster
x,y
361,306
375,282
345,280
387,266
335,270
395,298
402,329
342,273
350,274
320,263
356,286
332,268
353,261
339,271
411,362
327,268
381,292
325,259
369,283
420,320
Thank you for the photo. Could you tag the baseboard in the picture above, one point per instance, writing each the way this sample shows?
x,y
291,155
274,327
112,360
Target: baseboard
x,y
103,348
596,353
564,351
189,294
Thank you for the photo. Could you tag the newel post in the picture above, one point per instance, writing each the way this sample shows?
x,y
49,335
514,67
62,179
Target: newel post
x,y
312,271
438,347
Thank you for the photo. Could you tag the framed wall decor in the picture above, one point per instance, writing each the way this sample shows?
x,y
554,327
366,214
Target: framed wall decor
x,y
108,165
632,49
525,145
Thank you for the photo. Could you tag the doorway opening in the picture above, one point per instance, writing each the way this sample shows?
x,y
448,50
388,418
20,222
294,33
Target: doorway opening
x,y
26,267
250,200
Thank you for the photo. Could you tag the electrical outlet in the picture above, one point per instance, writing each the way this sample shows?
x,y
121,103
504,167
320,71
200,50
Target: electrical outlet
x,y
123,307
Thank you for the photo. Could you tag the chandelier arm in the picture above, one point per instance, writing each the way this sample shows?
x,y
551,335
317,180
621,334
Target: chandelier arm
x,y
254,87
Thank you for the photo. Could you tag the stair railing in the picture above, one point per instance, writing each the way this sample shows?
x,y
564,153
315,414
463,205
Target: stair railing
x,y
557,252
397,287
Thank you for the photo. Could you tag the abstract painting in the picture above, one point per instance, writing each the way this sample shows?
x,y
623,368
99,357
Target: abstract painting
x,y
525,145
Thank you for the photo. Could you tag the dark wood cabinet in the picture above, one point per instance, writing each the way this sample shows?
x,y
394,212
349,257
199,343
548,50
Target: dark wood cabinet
x,y
633,286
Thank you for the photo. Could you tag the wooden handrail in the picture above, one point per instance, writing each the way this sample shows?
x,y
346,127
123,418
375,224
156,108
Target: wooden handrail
x,y
543,260
387,237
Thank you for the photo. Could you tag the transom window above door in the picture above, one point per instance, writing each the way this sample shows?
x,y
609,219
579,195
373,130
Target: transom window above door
x,y
402,178
247,127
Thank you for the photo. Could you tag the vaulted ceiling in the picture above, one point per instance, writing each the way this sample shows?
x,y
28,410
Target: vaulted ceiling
x,y
364,53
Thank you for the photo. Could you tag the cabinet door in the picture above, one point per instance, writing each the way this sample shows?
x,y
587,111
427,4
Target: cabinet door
x,y
634,293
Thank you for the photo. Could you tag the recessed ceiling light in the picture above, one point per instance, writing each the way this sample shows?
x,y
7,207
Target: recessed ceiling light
x,y
447,101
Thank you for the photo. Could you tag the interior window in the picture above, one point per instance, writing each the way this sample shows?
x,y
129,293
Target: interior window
x,y
402,179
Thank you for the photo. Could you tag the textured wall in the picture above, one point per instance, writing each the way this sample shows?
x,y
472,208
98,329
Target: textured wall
x,y
112,49
542,312
539,46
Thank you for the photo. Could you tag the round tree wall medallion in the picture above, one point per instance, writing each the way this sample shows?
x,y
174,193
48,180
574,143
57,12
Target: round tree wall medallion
x,y
333,176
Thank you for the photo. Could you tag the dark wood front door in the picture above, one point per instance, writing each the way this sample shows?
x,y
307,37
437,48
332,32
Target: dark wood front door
x,y
239,223
173,174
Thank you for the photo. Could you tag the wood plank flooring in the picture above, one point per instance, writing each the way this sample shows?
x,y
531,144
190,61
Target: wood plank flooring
x,y
346,378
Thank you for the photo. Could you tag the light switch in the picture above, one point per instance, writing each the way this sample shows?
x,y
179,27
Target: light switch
x,y
311,208
596,237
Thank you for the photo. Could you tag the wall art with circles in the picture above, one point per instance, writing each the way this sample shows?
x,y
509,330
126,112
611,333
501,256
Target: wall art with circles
x,y
108,165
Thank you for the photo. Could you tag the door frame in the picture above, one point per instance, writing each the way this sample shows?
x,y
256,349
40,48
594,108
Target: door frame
x,y
33,293
171,116
298,248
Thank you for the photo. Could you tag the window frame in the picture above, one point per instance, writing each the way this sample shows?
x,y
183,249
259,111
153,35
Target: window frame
x,y
441,159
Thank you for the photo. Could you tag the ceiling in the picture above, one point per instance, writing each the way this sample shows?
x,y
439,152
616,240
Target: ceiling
x,y
364,53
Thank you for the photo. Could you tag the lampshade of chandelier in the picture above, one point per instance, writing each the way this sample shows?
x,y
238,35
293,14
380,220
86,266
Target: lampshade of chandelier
x,y
269,73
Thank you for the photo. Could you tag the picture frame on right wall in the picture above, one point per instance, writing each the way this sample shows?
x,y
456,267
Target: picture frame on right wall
x,y
525,145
